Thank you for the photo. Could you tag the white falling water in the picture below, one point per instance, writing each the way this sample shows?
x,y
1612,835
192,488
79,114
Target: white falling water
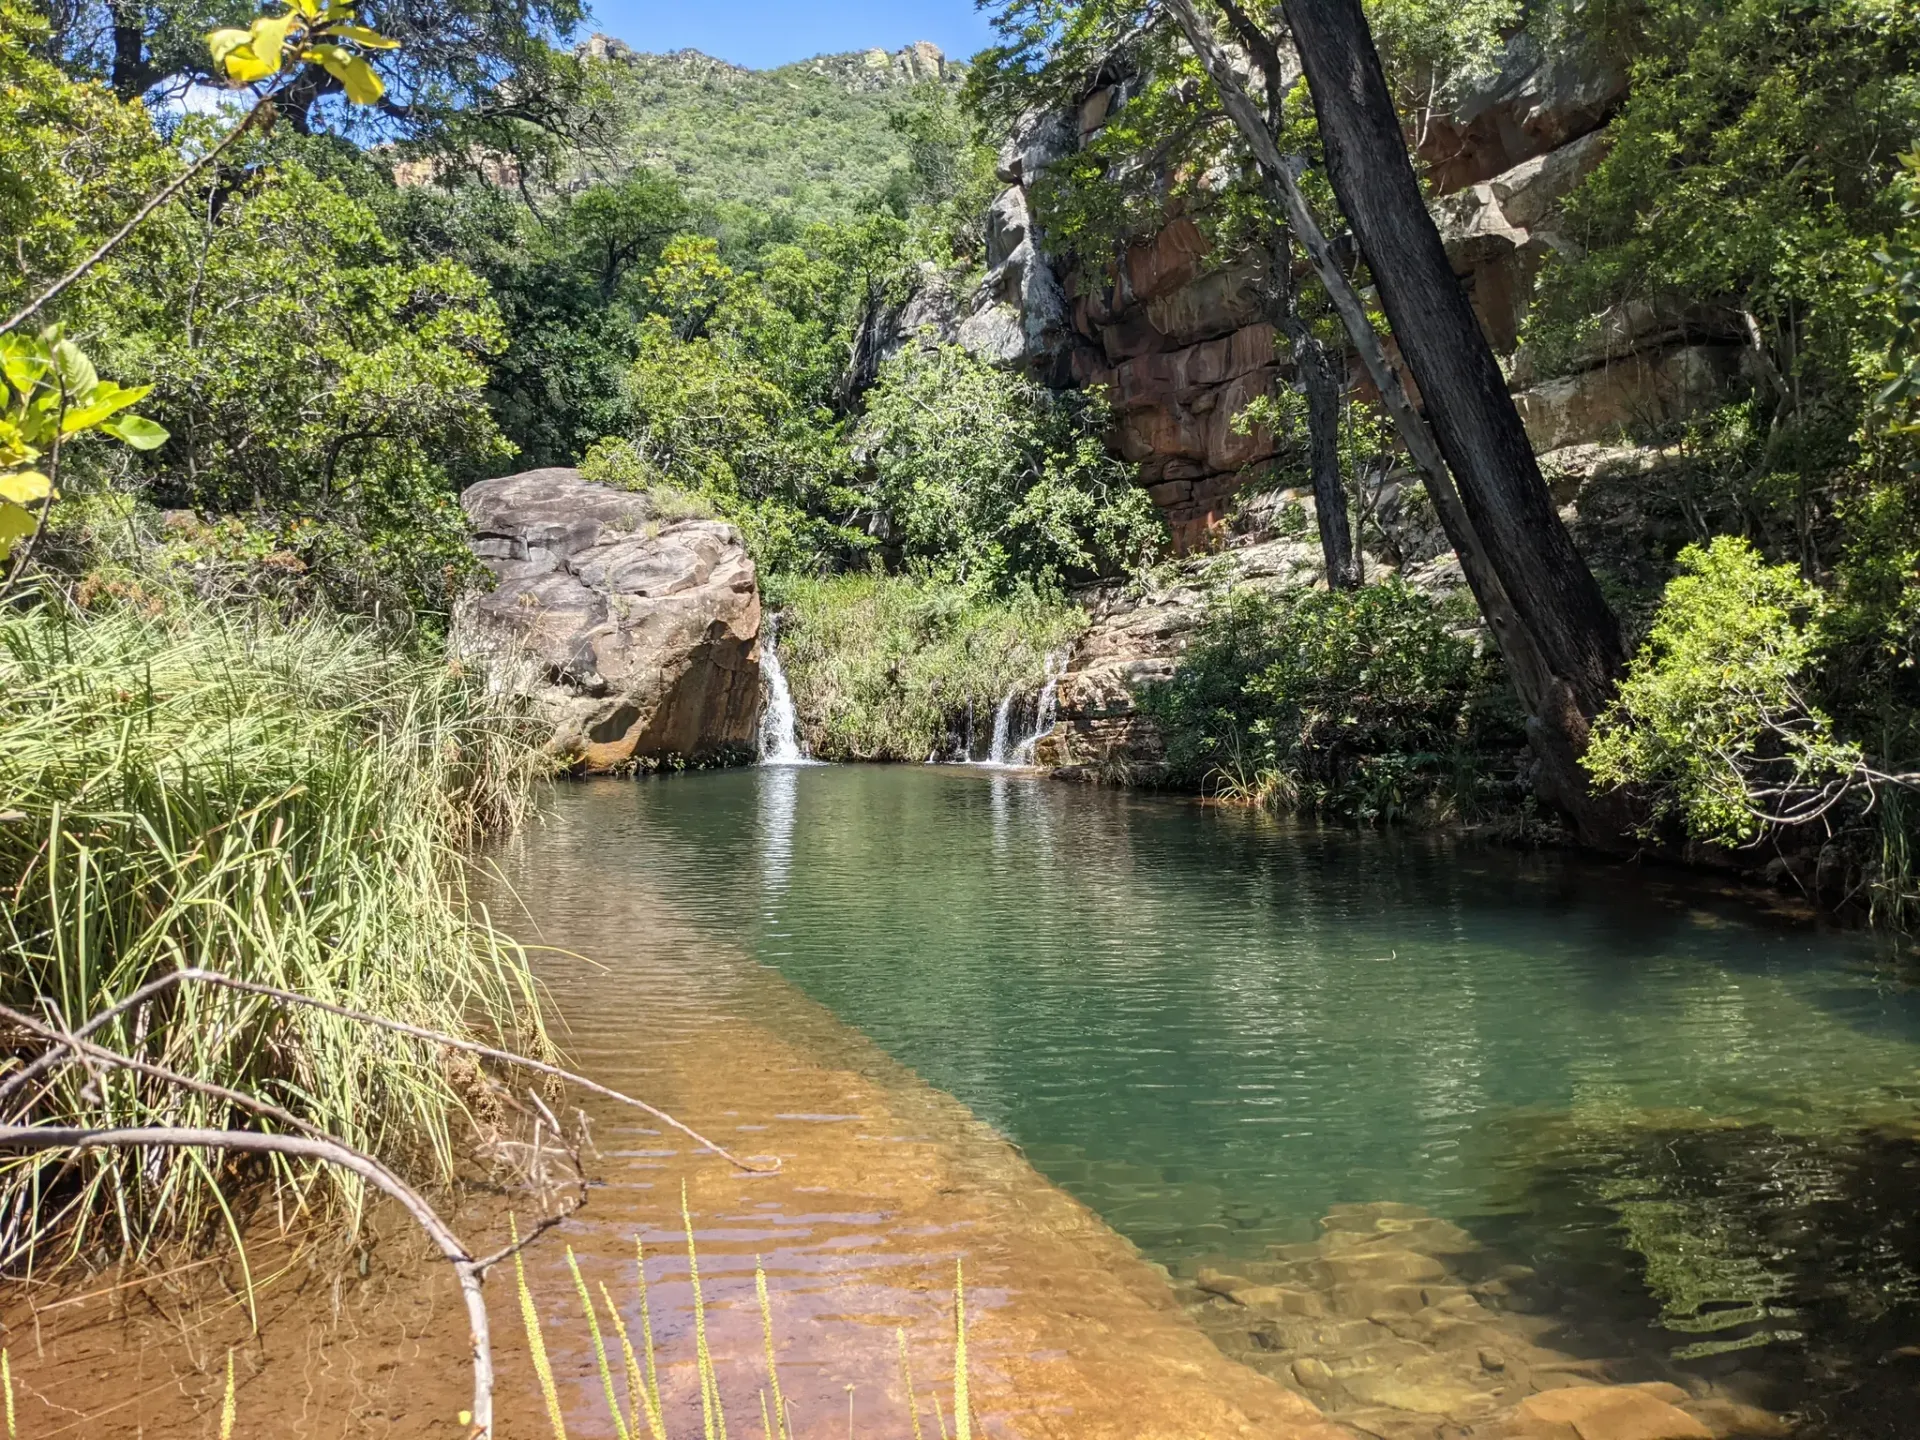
x,y
779,727
1048,709
1002,718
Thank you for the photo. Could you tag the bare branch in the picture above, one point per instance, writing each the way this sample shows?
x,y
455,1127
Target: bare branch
x,y
328,1151
506,1057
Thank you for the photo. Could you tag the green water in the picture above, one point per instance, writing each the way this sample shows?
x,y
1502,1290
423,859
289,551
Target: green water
x,y
1211,1026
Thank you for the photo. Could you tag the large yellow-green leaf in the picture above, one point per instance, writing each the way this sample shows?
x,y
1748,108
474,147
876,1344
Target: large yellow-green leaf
x,y
107,399
138,431
363,37
77,375
363,87
224,42
23,487
270,37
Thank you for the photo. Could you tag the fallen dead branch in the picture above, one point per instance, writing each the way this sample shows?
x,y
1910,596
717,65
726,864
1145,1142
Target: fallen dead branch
x,y
64,1047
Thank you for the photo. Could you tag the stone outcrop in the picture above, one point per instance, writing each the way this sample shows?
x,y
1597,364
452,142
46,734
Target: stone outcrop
x,y
1179,337
1534,103
1018,315
637,634
1137,640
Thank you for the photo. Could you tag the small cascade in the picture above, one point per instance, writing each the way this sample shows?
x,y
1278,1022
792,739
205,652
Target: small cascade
x,y
1048,710
1002,721
779,725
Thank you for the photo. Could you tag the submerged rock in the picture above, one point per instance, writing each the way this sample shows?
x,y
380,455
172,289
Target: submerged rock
x,y
636,633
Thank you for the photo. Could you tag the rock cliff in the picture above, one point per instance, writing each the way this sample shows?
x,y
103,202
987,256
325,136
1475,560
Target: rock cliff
x,y
637,634
1174,332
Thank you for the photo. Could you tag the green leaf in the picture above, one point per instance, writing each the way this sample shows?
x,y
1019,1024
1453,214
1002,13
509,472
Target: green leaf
x,y
138,431
16,523
24,359
270,38
224,42
107,399
77,375
362,85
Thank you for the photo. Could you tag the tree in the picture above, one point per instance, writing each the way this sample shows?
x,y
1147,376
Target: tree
x,y
1539,598
995,481
476,67
1460,382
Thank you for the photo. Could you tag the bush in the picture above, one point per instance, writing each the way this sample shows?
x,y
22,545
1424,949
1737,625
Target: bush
x,y
1714,723
886,668
993,480
192,785
1361,704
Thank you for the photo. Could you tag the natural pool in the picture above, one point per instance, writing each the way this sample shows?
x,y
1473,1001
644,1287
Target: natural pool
x,y
1688,1121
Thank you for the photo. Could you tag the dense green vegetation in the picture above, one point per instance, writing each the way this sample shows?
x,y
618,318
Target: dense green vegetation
x,y
899,669
200,785
770,152
1363,705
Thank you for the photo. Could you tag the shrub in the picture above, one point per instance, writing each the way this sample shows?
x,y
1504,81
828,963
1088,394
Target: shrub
x,y
1363,704
1713,723
887,668
994,480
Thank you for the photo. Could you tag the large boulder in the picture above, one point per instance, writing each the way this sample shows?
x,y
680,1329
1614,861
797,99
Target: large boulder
x,y
636,633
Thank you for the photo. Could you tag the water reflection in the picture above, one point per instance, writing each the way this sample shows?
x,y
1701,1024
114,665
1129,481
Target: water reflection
x,y
1215,1028
779,796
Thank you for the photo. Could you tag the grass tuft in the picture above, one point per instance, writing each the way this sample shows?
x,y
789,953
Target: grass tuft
x,y
287,802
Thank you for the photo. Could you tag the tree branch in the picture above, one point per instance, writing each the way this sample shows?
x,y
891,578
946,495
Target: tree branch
x,y
175,978
328,1151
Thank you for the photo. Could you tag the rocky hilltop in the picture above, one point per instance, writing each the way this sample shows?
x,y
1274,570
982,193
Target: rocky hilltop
x,y
809,140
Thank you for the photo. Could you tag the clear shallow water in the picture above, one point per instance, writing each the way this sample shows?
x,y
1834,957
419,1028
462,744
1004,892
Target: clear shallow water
x,y
1212,1027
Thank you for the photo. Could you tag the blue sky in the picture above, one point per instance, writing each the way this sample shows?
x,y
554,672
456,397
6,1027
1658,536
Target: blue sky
x,y
762,33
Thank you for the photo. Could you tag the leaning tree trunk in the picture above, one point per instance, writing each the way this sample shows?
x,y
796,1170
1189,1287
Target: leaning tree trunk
x,y
1559,710
1465,394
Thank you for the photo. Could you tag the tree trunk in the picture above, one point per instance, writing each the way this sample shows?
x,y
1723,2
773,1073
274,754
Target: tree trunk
x,y
1315,369
1465,394
1557,723
132,75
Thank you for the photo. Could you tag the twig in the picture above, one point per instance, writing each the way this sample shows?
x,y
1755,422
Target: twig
x,y
332,1152
506,1057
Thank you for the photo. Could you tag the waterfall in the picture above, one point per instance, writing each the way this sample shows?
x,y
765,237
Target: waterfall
x,y
1048,708
997,751
779,729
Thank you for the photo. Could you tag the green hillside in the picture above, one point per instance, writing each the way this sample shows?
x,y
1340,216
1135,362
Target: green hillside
x,y
764,149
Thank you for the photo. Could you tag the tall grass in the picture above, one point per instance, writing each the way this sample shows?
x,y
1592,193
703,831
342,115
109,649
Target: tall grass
x,y
888,667
283,801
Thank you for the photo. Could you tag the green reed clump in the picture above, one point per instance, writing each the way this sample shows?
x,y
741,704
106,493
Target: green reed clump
x,y
888,667
284,801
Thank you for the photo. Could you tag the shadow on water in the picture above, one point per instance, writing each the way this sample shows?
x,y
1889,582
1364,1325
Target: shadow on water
x,y
1783,1266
